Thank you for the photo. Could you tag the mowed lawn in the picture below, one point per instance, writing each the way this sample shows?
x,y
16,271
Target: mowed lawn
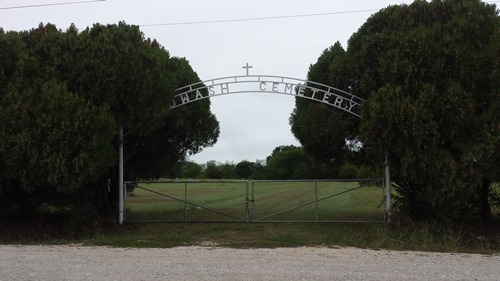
x,y
258,201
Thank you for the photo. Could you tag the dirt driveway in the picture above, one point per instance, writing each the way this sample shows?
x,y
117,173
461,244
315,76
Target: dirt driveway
x,y
215,263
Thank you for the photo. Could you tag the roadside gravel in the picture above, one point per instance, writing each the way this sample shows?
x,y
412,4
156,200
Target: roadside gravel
x,y
76,262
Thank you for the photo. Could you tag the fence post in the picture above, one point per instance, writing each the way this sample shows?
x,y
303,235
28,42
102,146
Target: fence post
x,y
120,177
185,202
247,210
252,205
388,207
316,197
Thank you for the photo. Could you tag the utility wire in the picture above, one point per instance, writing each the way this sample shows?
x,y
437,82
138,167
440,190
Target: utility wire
x,y
50,4
258,19
267,18
207,21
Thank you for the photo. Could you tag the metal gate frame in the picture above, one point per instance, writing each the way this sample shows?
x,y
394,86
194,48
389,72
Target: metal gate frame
x,y
316,200
250,200
187,202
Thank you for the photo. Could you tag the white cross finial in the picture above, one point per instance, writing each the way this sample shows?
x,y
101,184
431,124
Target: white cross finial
x,y
247,67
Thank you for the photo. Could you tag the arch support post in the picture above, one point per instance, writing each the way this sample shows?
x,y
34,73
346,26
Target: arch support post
x,y
388,206
120,178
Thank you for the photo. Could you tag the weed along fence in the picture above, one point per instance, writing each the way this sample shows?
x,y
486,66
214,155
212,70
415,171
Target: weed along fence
x,y
255,201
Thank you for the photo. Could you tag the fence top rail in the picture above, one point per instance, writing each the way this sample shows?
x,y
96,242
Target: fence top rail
x,y
194,181
322,180
187,181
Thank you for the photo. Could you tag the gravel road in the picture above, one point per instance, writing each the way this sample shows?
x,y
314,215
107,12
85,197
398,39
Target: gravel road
x,y
215,263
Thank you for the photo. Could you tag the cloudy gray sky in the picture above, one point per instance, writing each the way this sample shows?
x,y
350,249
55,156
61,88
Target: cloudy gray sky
x,y
252,125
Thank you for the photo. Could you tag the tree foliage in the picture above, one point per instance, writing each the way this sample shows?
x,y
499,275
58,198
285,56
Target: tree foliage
x,y
190,170
63,96
41,146
285,162
431,70
244,169
185,131
429,74
215,170
288,162
321,130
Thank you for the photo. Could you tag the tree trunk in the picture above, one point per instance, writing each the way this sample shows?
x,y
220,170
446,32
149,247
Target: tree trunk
x,y
485,203
114,191
102,190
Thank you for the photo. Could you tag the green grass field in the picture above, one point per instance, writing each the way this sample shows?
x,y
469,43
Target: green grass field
x,y
258,201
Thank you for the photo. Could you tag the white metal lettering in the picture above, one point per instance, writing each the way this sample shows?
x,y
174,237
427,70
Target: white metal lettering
x,y
326,97
270,84
300,90
185,98
338,102
211,90
275,86
263,86
198,95
224,88
351,105
314,93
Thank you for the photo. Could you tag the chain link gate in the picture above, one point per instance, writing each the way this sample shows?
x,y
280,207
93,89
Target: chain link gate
x,y
318,201
187,201
255,201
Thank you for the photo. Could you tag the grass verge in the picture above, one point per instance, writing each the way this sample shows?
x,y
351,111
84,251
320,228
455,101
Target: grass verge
x,y
410,236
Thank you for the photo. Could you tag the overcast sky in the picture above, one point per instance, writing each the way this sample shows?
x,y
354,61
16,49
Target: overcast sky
x,y
251,124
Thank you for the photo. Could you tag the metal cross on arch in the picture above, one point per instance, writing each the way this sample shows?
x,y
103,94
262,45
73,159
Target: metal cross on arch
x,y
247,68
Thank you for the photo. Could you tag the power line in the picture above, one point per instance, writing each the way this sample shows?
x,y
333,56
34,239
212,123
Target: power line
x,y
258,19
266,18
49,4
207,21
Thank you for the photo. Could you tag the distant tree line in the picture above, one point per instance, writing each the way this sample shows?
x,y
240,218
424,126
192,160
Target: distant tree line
x,y
285,163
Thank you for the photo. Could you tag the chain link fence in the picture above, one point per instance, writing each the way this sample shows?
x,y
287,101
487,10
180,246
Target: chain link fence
x,y
255,201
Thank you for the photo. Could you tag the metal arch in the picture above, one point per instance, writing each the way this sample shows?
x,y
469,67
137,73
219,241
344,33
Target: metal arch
x,y
268,84
262,84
